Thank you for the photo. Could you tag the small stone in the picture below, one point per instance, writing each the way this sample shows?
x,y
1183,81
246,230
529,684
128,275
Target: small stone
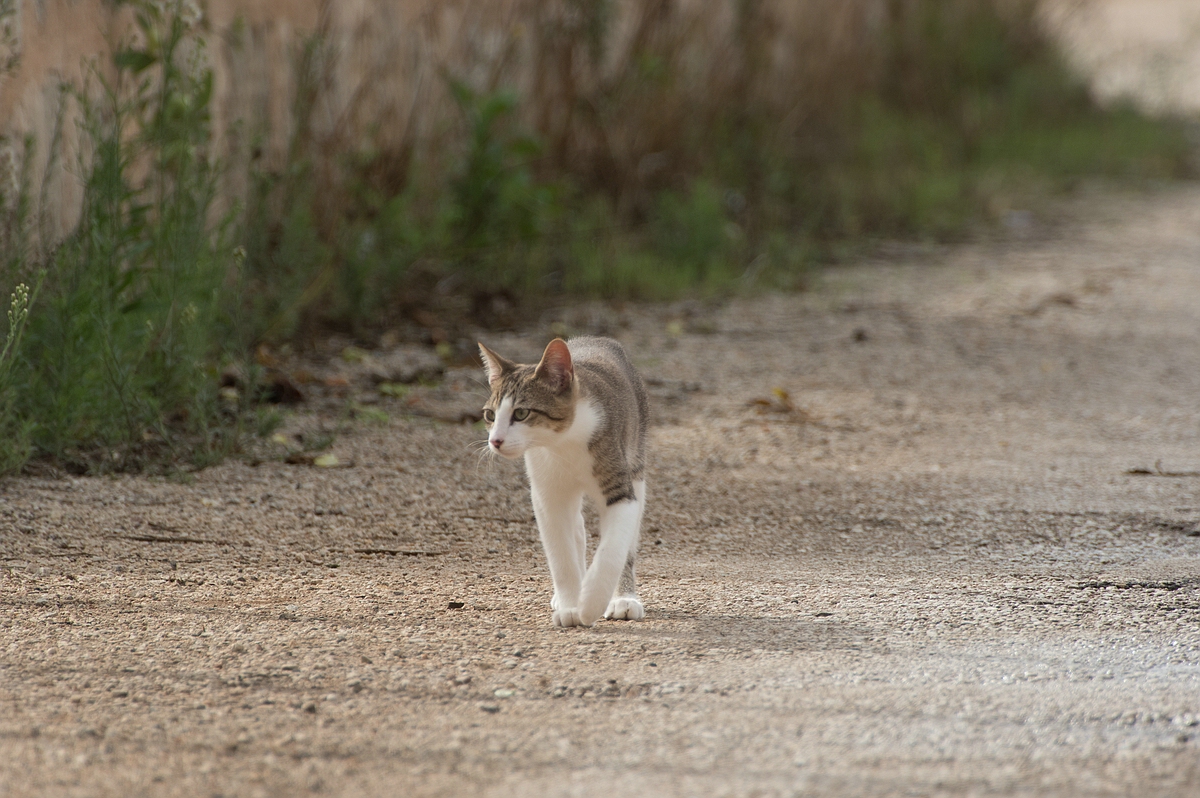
x,y
310,707
504,692
491,708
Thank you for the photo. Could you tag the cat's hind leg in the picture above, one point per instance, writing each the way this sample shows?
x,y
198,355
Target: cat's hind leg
x,y
625,604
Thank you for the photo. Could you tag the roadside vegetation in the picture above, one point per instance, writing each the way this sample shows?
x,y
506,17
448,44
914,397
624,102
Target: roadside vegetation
x,y
642,158
117,333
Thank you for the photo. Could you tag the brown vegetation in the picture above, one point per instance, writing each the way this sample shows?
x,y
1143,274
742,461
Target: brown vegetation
x,y
626,97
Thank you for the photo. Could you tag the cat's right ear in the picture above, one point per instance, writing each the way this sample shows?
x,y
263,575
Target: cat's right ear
x,y
495,365
556,368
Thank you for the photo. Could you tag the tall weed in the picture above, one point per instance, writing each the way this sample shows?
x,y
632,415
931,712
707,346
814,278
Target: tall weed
x,y
117,367
15,430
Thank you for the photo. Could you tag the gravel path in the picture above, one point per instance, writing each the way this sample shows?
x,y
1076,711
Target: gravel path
x,y
892,548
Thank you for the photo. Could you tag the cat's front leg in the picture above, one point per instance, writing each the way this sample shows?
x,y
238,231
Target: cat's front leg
x,y
625,604
580,534
618,534
560,526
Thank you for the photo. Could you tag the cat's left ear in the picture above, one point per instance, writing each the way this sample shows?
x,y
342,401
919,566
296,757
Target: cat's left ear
x,y
556,368
495,365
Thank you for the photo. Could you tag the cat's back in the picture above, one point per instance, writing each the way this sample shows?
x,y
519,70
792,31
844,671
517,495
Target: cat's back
x,y
607,376
603,366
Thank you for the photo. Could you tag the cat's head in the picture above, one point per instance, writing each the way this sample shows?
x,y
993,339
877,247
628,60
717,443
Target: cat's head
x,y
529,405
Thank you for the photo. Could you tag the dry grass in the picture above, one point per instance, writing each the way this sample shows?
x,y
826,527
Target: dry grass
x,y
626,97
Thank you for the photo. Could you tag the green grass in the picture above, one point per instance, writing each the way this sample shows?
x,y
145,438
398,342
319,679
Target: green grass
x,y
116,365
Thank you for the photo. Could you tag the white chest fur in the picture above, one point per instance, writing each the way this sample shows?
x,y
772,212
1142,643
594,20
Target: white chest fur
x,y
562,463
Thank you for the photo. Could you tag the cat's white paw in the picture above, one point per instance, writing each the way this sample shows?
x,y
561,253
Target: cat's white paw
x,y
625,608
569,618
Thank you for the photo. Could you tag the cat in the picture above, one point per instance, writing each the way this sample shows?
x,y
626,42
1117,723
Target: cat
x,y
579,418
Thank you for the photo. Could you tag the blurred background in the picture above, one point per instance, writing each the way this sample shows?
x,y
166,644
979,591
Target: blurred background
x,y
189,189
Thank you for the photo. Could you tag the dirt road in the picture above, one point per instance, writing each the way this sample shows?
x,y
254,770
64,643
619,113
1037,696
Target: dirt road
x,y
924,570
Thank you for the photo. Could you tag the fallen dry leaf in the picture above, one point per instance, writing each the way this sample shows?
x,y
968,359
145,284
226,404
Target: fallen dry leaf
x,y
779,402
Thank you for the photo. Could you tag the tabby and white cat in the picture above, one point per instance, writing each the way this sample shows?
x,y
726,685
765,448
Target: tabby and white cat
x,y
579,418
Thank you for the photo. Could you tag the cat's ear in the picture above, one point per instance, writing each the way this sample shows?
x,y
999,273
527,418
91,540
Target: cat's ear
x,y
555,367
495,365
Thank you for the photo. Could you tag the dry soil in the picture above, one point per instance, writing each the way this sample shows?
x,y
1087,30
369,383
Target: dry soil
x,y
893,547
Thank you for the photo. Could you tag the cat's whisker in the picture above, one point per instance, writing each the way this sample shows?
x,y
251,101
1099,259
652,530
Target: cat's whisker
x,y
482,451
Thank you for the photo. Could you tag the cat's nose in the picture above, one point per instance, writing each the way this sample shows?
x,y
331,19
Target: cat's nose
x,y
497,443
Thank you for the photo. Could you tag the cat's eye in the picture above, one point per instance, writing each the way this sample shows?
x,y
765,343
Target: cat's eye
x,y
520,414
489,415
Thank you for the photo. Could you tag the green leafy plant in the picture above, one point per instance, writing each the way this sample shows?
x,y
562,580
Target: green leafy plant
x,y
496,200
117,367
